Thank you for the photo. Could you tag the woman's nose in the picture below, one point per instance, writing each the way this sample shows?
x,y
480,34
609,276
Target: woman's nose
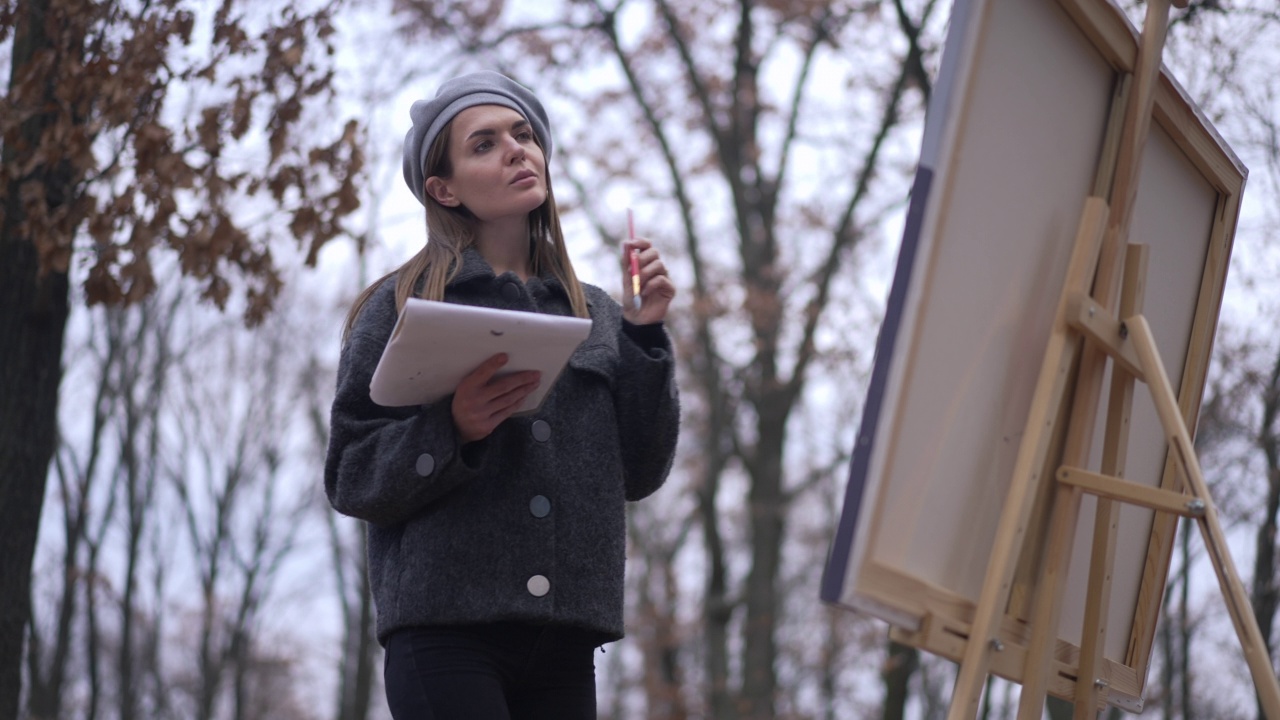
x,y
515,151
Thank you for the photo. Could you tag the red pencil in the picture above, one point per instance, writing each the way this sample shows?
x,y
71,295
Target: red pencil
x,y
635,262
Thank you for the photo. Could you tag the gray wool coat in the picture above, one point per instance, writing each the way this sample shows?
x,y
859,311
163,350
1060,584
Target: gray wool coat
x,y
527,524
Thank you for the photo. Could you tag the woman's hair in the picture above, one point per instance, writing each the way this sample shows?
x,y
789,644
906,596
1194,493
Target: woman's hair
x,y
452,230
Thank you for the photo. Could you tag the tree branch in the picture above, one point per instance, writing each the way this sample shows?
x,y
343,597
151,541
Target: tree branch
x,y
820,36
691,69
914,61
846,235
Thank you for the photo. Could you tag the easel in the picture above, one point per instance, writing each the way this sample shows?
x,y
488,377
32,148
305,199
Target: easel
x,y
1099,317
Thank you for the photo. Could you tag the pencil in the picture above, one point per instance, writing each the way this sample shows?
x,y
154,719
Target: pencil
x,y
635,261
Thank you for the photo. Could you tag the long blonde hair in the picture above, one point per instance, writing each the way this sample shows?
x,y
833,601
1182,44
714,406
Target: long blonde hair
x,y
452,230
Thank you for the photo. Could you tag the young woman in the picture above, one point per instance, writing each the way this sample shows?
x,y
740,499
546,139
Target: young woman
x,y
497,542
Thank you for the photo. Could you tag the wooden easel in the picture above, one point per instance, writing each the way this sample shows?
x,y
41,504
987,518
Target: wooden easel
x,y
1099,318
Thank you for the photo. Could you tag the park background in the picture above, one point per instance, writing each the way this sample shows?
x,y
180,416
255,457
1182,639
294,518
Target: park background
x,y
210,184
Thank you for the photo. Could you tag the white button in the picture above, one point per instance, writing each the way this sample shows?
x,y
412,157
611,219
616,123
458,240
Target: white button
x,y
541,430
425,464
539,585
540,506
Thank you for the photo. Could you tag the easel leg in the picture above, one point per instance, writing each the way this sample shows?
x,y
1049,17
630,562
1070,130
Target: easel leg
x,y
1233,592
1047,605
1106,520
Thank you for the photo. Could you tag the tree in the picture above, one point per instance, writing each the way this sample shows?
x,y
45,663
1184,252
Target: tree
x,y
187,484
1264,380
115,128
116,360
348,545
238,514
899,666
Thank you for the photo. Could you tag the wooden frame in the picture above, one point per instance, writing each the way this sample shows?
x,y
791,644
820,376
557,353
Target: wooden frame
x,y
955,376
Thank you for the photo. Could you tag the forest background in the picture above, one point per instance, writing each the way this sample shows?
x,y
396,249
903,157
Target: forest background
x,y
195,191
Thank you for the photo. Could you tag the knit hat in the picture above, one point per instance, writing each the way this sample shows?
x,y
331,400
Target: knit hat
x,y
454,96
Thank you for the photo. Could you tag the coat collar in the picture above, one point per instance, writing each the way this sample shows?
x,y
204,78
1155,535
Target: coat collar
x,y
474,268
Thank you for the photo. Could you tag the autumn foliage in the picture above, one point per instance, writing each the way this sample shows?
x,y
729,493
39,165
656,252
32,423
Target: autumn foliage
x,y
153,126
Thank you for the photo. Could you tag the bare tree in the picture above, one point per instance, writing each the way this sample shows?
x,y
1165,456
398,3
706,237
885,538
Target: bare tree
x,y
350,562
204,454
1242,418
1266,434
49,654
128,365
48,661
655,621
240,516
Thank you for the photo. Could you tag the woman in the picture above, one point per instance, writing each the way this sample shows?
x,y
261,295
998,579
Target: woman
x,y
497,542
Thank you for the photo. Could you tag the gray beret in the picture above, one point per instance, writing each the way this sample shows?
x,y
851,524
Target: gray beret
x,y
454,96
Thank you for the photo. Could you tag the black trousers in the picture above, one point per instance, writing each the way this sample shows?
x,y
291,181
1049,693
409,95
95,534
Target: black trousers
x,y
500,671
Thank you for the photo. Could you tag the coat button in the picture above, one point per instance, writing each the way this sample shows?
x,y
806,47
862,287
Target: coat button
x,y
425,464
540,506
510,291
539,585
541,430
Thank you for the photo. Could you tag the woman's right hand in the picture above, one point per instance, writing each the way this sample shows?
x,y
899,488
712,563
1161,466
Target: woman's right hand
x,y
482,401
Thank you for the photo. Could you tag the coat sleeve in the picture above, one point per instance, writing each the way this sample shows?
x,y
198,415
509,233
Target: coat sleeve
x,y
648,407
385,464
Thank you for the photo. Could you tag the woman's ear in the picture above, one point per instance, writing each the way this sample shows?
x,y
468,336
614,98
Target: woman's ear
x,y
439,191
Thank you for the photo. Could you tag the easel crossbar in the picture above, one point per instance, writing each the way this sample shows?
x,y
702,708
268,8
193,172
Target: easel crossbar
x,y
1108,333
1114,488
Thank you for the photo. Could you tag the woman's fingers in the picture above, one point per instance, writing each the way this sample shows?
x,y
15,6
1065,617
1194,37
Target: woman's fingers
x,y
484,399
656,288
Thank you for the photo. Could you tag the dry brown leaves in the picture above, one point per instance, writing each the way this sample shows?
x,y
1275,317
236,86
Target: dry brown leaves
x,y
100,168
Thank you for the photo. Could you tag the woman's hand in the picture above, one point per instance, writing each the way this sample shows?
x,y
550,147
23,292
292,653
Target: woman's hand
x,y
656,288
482,401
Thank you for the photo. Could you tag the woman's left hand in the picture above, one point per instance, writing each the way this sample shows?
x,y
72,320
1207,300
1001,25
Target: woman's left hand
x,y
656,288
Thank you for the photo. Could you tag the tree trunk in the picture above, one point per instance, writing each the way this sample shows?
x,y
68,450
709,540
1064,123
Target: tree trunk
x,y
367,645
1059,709
1184,623
717,609
135,507
768,508
33,317
658,637
1165,645
44,701
898,669
1266,594
357,666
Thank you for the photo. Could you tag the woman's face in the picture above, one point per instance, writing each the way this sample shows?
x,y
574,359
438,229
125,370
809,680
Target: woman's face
x,y
499,171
